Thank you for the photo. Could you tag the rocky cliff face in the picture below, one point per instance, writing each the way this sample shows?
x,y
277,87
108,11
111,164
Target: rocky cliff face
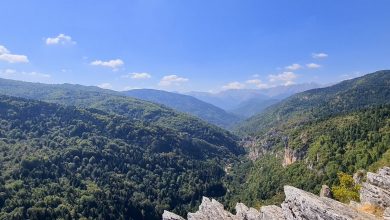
x,y
258,146
301,205
376,190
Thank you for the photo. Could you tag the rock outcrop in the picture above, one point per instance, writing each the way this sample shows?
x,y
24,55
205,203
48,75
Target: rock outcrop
x,y
376,190
271,212
293,155
302,205
211,209
171,216
326,192
243,212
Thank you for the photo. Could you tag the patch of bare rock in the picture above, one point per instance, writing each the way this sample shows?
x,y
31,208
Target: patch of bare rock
x,y
302,205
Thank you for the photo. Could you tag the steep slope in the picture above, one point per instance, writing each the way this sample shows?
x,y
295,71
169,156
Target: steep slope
x,y
312,154
116,102
308,138
253,106
349,95
69,163
187,104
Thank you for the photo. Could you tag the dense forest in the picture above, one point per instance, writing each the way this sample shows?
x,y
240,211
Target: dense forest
x,y
117,103
61,162
341,128
344,143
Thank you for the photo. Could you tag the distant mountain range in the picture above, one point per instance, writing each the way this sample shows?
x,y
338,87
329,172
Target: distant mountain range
x,y
247,102
187,104
225,108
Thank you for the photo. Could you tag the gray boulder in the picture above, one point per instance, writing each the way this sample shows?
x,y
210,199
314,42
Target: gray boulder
x,y
211,209
326,192
171,216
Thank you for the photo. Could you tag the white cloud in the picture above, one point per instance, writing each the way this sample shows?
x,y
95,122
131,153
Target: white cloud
x,y
233,85
313,66
60,39
294,66
253,81
105,85
172,80
37,74
138,76
258,83
7,73
25,76
114,64
127,88
286,78
351,75
3,50
7,56
288,83
319,55
256,75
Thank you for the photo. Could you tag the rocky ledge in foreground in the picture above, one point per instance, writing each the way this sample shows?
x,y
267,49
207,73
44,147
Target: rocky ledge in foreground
x,y
376,190
301,205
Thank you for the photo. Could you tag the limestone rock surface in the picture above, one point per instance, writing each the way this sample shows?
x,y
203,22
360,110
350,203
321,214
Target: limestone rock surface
x,y
211,209
376,190
171,216
301,205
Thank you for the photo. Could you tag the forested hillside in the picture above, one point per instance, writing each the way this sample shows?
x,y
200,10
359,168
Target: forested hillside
x,y
118,103
69,163
308,138
187,104
315,104
343,143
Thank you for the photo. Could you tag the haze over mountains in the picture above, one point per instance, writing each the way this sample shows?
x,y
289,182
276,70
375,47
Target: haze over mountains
x,y
225,108
187,104
247,102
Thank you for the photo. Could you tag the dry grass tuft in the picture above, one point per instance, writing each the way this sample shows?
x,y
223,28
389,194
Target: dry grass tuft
x,y
371,209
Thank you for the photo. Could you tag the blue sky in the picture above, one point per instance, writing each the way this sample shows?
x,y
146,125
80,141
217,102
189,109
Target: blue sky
x,y
192,45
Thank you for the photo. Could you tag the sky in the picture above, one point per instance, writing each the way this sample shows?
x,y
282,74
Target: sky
x,y
192,45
